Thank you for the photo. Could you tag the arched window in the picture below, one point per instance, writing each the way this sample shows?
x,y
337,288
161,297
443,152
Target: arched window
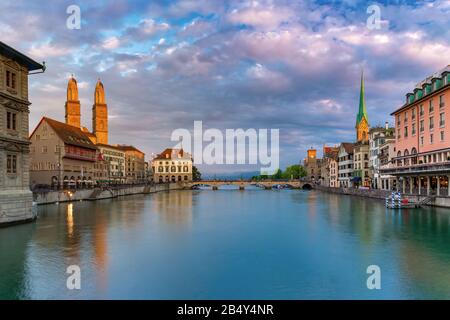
x,y
406,153
414,154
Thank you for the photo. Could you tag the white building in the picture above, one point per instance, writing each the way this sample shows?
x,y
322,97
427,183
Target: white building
x,y
345,162
172,165
377,137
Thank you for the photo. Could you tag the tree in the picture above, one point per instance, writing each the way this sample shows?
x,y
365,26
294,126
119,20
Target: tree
x,y
277,175
196,175
295,171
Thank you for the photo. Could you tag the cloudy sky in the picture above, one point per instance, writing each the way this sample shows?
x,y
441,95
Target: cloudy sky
x,y
291,65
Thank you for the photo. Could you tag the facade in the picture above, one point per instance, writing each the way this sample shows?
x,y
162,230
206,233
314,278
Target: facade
x,y
422,142
361,170
345,165
61,155
134,164
172,165
377,138
15,195
313,166
385,156
114,158
330,167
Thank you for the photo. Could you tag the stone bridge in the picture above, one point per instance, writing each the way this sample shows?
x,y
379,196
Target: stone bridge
x,y
266,184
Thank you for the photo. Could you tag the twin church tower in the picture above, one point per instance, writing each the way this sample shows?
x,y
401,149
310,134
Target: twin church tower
x,y
99,111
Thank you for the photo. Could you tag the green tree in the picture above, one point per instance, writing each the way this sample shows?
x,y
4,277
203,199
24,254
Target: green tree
x,y
277,175
295,171
196,175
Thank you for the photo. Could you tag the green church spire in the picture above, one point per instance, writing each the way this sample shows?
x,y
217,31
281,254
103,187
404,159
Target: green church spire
x,y
362,112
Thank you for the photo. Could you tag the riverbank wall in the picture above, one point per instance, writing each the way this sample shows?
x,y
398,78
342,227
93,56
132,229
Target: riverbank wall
x,y
47,197
436,201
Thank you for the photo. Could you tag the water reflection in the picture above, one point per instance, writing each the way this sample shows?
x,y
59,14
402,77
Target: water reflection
x,y
254,244
175,208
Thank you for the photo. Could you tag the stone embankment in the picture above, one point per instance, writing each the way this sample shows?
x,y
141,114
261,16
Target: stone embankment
x,y
45,197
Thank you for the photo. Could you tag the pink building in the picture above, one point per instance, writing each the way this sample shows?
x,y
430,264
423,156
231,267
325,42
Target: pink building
x,y
422,143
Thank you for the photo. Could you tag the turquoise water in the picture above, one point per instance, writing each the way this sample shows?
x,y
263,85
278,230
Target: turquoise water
x,y
228,244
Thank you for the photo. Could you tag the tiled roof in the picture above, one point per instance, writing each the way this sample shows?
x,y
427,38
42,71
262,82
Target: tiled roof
x,y
70,134
124,147
348,147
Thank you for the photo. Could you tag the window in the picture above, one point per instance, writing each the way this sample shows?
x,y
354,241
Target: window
x,y
421,141
431,138
442,135
413,129
413,113
11,163
431,107
406,132
10,79
421,110
422,127
406,116
441,102
442,119
431,123
11,120
44,149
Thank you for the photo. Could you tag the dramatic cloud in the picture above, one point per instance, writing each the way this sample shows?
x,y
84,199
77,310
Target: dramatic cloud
x,y
291,65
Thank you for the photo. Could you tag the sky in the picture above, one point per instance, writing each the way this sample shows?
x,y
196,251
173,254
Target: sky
x,y
288,65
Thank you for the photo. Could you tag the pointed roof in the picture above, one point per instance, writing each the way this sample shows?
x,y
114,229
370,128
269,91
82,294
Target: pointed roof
x,y
68,134
99,94
362,112
170,153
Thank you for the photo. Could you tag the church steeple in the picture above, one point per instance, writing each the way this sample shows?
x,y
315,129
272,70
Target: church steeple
x,y
72,106
362,120
100,114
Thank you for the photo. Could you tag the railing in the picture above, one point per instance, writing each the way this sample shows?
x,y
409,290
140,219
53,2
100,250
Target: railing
x,y
419,168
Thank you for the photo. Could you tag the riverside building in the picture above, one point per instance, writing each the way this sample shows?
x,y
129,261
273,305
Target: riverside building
x,y
422,142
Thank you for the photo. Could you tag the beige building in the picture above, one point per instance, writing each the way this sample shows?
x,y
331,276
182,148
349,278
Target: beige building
x,y
330,169
172,165
313,166
361,169
134,164
62,155
15,195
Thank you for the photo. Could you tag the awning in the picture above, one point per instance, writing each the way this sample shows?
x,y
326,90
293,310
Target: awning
x,y
355,179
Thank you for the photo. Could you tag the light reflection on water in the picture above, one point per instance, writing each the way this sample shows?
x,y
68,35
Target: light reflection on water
x,y
252,244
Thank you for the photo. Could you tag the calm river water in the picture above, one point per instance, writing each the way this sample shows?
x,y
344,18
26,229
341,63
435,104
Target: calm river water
x,y
228,244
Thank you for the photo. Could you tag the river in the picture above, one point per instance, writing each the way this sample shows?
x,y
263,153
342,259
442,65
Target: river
x,y
228,244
